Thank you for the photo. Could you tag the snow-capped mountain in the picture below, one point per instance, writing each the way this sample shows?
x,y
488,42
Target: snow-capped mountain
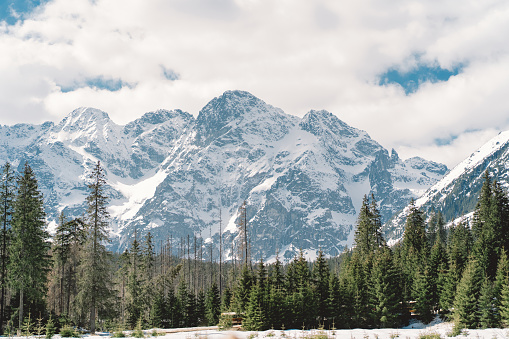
x,y
173,175
456,194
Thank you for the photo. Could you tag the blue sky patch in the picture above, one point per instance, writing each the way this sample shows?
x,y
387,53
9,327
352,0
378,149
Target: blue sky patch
x,y
13,10
170,74
445,141
413,79
101,83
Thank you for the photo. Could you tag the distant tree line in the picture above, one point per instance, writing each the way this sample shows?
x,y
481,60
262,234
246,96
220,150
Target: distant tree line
x,y
460,273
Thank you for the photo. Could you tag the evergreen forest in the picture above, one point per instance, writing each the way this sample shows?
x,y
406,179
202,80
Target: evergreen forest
x,y
459,273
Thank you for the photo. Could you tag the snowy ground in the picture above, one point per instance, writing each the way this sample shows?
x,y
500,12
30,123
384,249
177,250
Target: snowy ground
x,y
415,330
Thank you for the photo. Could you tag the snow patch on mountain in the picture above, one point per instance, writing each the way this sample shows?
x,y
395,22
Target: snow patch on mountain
x,y
455,195
168,173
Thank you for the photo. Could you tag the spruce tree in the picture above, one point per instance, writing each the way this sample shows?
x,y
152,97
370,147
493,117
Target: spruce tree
x,y
255,316
226,300
336,301
135,302
467,296
277,277
157,310
7,195
385,290
277,311
414,238
190,310
242,291
486,227
460,243
29,260
423,291
498,284
415,251
357,274
504,303
95,284
213,305
486,308
367,235
437,271
321,285
201,308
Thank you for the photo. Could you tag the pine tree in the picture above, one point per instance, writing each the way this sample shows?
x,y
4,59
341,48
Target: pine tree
x,y
460,243
415,250
255,316
7,195
61,248
467,296
201,308
28,252
414,238
485,227
437,270
135,302
190,310
357,280
504,303
336,300
367,235
436,228
277,311
500,280
423,291
321,285
277,277
242,291
147,268
157,310
173,313
94,285
213,305
384,290
226,300
486,308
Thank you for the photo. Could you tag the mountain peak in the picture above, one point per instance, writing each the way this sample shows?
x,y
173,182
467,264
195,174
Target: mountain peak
x,y
322,122
88,113
228,106
83,117
233,107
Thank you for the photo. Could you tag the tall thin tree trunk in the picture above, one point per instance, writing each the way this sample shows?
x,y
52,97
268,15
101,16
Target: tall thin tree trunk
x,y
188,264
20,310
195,275
4,259
220,253
92,316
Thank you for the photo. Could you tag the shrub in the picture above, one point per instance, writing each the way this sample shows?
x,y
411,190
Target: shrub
x,y
432,335
68,332
225,322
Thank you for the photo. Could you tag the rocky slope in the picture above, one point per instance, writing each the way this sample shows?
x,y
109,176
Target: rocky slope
x,y
173,175
456,194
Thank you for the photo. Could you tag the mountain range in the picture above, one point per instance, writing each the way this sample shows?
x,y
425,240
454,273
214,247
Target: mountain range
x,y
456,195
175,175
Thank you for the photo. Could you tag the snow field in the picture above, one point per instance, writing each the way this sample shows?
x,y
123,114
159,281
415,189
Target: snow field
x,y
416,330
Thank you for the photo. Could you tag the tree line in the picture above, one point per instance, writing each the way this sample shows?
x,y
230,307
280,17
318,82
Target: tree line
x,y
460,273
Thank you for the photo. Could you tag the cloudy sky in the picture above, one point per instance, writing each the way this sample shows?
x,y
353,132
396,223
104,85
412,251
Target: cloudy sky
x,y
428,78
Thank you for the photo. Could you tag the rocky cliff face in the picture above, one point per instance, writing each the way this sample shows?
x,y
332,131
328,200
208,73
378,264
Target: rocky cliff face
x,y
302,178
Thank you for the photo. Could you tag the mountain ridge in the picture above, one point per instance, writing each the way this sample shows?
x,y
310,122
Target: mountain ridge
x,y
455,195
173,175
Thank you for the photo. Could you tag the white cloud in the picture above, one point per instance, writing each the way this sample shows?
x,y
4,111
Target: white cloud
x,y
297,55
